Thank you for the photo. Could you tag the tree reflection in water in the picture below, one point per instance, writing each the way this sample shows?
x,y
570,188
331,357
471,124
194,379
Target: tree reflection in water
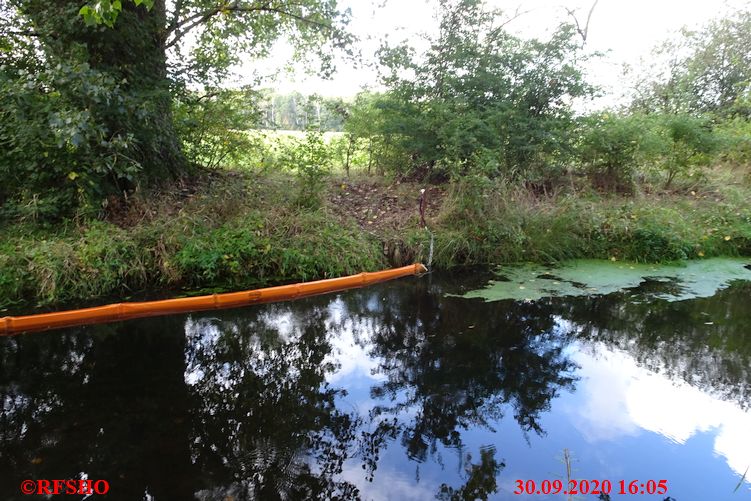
x,y
705,342
453,364
264,407
240,404
481,478
103,402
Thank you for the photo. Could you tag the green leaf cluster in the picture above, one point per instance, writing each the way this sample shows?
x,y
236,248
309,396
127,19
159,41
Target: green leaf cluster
x,y
213,126
614,147
93,107
310,159
106,11
58,153
701,71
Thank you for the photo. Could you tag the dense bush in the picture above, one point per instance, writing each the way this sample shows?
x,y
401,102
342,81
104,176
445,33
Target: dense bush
x,y
481,100
734,141
58,156
689,143
612,147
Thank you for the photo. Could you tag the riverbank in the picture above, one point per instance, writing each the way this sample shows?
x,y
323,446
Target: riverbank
x,y
231,230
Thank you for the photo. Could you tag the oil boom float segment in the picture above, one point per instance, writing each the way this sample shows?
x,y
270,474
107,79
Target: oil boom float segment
x,y
127,311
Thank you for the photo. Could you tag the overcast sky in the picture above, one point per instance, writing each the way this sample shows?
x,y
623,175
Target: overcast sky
x,y
626,30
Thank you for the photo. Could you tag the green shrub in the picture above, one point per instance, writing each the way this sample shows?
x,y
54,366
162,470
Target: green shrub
x,y
310,159
479,100
734,138
58,155
610,149
213,128
689,143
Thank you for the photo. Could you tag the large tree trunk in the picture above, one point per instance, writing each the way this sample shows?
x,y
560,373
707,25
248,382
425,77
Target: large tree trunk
x,y
133,53
134,50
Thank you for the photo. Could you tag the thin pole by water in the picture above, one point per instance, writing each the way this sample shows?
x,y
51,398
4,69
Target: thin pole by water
x,y
421,209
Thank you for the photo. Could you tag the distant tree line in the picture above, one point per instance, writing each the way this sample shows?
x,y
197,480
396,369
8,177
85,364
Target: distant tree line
x,y
296,111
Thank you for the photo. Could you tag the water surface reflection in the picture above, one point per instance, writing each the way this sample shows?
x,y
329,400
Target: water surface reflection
x,y
395,391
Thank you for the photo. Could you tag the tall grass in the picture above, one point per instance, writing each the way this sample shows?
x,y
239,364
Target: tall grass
x,y
239,232
497,223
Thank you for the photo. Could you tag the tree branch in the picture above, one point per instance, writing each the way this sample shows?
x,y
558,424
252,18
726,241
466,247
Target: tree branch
x,y
517,14
181,28
175,16
496,30
585,31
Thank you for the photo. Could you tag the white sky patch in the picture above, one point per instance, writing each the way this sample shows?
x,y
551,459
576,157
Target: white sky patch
x,y
601,418
389,483
621,398
351,354
283,322
352,358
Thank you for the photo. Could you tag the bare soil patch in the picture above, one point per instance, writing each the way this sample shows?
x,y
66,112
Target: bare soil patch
x,y
383,208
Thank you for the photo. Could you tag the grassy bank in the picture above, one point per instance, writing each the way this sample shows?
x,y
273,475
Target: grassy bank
x,y
233,231
503,225
225,232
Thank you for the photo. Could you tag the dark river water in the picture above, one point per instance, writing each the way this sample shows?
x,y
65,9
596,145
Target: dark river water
x,y
397,391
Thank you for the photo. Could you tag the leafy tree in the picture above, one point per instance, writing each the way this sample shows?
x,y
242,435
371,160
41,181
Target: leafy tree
x,y
311,160
368,124
57,152
482,99
689,144
614,147
708,70
734,141
610,149
126,44
214,127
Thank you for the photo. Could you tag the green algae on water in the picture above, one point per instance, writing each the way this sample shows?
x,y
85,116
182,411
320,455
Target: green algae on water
x,y
692,279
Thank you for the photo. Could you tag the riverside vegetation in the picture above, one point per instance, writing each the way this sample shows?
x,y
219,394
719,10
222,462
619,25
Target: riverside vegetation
x,y
119,180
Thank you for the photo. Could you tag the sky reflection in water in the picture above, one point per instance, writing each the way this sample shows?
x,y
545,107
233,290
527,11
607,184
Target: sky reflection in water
x,y
399,391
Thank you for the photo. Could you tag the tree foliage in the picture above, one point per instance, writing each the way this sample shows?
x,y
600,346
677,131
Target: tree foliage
x,y
610,149
614,147
480,98
311,160
688,143
702,71
214,126
58,154
106,11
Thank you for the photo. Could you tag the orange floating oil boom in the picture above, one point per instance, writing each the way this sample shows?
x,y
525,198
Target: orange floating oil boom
x,y
127,311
